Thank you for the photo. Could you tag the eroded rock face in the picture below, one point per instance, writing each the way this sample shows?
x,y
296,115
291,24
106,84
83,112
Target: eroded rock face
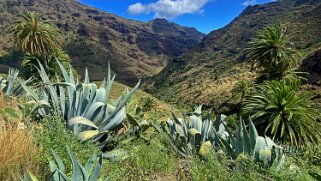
x,y
94,37
312,65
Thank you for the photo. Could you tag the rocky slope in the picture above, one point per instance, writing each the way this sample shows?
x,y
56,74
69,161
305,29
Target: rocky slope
x,y
207,73
93,37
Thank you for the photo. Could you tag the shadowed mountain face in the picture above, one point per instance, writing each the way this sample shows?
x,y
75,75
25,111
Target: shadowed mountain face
x,y
93,37
210,70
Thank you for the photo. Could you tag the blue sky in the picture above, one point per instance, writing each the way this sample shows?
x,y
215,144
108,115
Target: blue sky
x,y
204,15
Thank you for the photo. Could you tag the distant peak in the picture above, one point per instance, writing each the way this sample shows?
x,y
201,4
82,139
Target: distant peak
x,y
160,20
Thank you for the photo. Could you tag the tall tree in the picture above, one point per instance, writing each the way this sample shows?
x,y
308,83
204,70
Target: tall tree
x,y
272,52
34,36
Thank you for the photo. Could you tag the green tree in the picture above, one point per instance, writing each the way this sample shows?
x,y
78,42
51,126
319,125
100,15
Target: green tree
x,y
279,112
34,36
30,64
242,88
272,52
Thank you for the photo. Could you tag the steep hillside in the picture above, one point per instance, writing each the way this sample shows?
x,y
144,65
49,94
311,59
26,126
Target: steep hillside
x,y
207,73
93,37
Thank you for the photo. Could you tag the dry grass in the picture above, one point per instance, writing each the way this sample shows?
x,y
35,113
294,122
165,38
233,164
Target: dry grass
x,y
17,151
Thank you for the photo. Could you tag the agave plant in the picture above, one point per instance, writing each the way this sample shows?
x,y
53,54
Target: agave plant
x,y
247,142
11,86
194,135
89,172
83,106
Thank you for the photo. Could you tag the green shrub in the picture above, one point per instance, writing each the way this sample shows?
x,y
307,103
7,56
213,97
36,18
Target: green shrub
x,y
53,134
209,168
147,162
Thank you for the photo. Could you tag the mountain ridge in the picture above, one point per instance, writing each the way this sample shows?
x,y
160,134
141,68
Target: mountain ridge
x,y
93,37
207,73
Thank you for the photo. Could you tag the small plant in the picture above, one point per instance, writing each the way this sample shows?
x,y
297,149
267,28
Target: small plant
x,y
89,172
242,88
148,104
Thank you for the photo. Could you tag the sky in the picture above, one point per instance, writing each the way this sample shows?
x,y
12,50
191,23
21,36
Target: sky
x,y
204,15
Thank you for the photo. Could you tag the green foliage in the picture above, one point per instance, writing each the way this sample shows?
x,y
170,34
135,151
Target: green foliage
x,y
89,172
153,161
83,106
194,135
34,36
53,134
272,51
30,65
148,104
211,167
283,114
242,88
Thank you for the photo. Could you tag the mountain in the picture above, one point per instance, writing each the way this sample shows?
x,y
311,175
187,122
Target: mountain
x,y
207,73
93,37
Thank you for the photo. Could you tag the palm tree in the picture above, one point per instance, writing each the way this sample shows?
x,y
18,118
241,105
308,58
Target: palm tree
x,y
30,64
279,112
272,51
242,88
34,36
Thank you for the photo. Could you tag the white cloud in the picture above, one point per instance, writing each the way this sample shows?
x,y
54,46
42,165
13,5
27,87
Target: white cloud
x,y
249,2
168,8
137,8
253,2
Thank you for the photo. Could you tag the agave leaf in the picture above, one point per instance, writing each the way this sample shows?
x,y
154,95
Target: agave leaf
x,y
252,134
132,120
64,176
76,173
121,106
60,165
86,135
239,147
81,120
95,174
90,163
196,122
28,176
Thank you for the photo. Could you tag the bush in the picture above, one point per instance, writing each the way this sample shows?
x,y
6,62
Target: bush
x,y
147,162
54,134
